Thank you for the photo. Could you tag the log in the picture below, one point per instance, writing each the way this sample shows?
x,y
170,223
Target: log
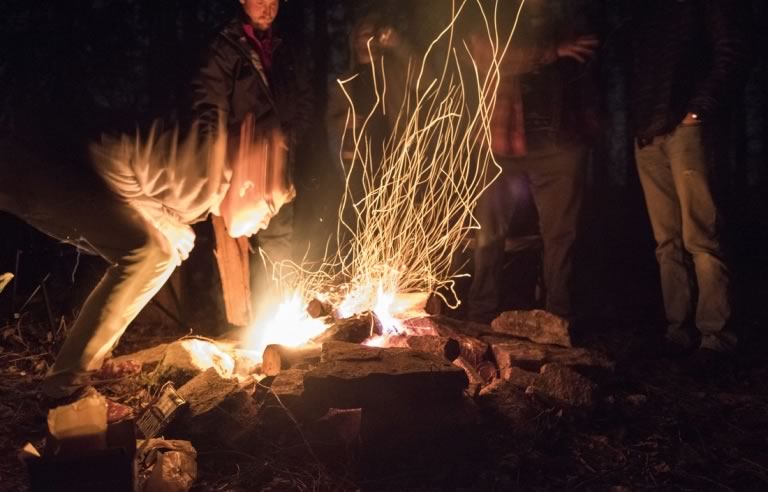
x,y
318,309
356,376
356,329
473,349
187,358
476,382
442,346
232,258
220,411
277,358
536,325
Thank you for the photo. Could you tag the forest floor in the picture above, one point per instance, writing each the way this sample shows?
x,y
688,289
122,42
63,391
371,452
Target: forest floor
x,y
655,429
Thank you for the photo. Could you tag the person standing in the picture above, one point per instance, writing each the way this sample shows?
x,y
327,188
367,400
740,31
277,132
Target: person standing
x,y
544,116
689,59
256,79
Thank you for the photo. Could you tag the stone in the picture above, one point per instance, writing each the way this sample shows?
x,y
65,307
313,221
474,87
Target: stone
x,y
532,356
536,325
564,386
519,377
502,400
189,357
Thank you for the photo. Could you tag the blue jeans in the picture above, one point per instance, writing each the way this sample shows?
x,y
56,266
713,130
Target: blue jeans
x,y
675,176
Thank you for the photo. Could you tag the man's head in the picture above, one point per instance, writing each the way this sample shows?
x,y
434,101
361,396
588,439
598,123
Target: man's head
x,y
261,12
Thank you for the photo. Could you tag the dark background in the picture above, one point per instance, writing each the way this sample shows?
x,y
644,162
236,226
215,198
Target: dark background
x,y
69,70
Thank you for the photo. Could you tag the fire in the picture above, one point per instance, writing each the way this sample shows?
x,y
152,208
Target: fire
x,y
418,201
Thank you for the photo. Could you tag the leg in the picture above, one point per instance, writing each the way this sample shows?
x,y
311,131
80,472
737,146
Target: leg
x,y
664,211
79,208
275,242
493,212
558,190
700,232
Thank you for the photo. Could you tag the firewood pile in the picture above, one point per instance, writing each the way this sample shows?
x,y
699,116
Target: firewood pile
x,y
434,383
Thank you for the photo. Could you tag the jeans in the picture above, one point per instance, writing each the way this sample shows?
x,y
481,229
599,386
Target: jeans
x,y
676,177
75,206
557,184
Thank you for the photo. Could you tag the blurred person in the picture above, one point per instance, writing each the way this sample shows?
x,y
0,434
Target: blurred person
x,y
544,118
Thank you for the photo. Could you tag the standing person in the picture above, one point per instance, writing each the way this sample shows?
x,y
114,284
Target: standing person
x,y
256,78
689,57
543,117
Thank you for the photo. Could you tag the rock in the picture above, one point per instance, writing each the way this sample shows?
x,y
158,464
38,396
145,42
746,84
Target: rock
x,y
504,401
475,380
531,356
187,358
288,390
219,411
356,376
537,325
519,377
564,386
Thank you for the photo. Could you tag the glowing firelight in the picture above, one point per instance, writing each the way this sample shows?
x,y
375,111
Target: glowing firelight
x,y
418,201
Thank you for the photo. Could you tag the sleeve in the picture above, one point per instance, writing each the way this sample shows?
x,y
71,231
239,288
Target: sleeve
x,y
727,29
212,89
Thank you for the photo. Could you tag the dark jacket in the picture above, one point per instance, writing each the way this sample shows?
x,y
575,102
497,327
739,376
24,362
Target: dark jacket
x,y
233,81
689,56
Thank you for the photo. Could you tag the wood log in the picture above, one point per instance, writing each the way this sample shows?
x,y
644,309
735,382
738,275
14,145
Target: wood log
x,y
318,309
278,358
442,346
356,329
232,257
473,350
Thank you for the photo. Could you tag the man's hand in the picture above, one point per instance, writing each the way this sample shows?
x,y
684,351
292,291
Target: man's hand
x,y
180,236
580,49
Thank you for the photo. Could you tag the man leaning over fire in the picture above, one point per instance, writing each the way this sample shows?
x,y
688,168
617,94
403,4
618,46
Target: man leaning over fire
x,y
258,81
690,56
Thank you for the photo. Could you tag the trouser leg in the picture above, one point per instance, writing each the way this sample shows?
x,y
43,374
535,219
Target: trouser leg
x,y
77,207
558,189
700,235
493,213
663,205
273,247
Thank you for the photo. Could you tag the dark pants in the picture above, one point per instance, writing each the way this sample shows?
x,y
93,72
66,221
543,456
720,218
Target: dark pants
x,y
272,247
557,183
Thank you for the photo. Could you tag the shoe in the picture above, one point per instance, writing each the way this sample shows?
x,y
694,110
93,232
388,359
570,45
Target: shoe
x,y
707,362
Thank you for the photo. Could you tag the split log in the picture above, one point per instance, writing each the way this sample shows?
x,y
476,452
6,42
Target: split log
x,y
356,329
473,349
536,325
532,356
442,346
220,411
148,358
187,358
233,259
278,358
356,376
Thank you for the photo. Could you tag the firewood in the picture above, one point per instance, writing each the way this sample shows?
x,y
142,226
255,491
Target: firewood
x,y
473,349
443,346
232,257
278,358
318,309
356,329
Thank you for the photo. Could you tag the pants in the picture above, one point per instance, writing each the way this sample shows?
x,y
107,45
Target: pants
x,y
557,183
675,177
276,244
77,207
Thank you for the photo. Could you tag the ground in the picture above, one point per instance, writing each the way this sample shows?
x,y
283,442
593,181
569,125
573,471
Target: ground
x,y
655,429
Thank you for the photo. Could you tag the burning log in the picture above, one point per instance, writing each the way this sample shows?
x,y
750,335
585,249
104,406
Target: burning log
x,y
356,329
185,359
355,376
278,358
319,309
442,346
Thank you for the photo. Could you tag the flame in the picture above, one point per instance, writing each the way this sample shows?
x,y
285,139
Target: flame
x,y
206,355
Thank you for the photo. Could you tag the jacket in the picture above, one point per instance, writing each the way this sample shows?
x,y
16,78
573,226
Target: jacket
x,y
689,55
